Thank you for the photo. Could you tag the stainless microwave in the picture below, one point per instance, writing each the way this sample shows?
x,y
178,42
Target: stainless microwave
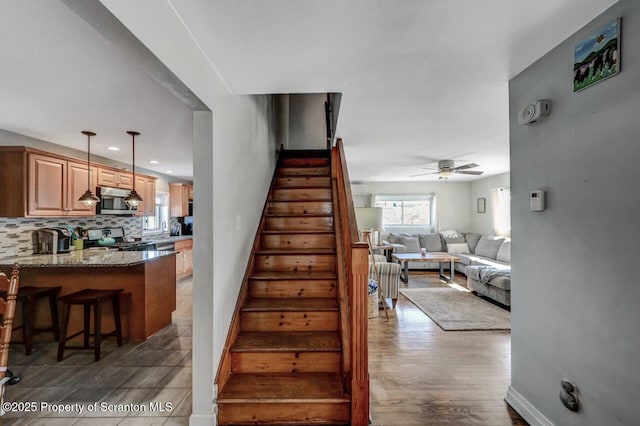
x,y
112,202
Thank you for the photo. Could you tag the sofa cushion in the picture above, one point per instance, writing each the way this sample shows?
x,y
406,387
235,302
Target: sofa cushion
x,y
451,233
431,242
465,259
412,244
488,246
472,241
394,238
483,261
504,254
502,282
457,248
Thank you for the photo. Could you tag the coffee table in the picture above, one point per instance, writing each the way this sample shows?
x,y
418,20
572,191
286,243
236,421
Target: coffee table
x,y
441,258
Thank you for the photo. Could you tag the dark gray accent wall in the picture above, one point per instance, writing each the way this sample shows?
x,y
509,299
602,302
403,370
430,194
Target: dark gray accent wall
x,y
575,292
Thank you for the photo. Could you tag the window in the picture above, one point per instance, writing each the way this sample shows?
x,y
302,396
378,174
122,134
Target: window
x,y
501,205
406,211
159,221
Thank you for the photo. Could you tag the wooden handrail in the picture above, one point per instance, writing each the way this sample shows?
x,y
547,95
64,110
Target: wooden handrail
x,y
355,279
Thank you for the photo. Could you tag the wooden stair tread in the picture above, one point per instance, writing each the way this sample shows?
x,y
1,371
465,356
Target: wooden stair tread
x,y
296,304
283,388
299,214
298,231
293,341
303,166
278,187
294,275
294,251
306,200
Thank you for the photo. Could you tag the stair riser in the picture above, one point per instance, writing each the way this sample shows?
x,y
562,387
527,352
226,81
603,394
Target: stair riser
x,y
299,223
303,181
298,241
298,262
300,207
298,171
304,162
292,288
295,413
285,362
289,321
301,194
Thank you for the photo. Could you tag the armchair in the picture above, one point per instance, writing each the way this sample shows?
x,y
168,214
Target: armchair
x,y
389,277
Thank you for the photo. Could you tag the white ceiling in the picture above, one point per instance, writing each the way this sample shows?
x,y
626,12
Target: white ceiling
x,y
421,80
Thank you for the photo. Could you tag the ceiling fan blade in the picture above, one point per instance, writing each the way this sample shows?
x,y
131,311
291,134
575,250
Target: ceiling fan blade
x,y
468,172
424,174
430,168
466,166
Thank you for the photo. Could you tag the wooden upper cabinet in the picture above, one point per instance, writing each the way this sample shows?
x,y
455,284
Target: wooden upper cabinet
x,y
179,196
114,179
47,186
55,185
146,188
76,187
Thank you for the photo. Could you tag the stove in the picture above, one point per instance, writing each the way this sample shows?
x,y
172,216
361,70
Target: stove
x,y
117,234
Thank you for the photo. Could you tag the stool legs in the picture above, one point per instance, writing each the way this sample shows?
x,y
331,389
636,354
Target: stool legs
x,y
116,314
97,325
55,321
87,323
63,330
28,317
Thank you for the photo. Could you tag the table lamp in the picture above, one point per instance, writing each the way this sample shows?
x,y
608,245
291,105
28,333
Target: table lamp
x,y
370,219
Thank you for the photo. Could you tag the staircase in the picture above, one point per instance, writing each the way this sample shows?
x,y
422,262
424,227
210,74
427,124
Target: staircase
x,y
284,358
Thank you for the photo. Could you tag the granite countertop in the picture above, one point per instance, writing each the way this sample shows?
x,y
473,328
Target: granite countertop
x,y
86,259
165,239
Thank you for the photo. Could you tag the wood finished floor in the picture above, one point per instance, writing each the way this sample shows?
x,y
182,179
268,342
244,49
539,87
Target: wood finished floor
x,y
422,375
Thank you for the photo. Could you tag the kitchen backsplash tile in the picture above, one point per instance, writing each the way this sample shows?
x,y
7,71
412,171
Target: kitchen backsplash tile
x,y
15,233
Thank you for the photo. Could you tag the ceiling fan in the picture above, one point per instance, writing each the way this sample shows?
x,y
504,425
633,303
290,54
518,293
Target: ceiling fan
x,y
448,167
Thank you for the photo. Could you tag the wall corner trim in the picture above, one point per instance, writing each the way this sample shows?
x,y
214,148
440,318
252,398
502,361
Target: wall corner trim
x,y
202,420
526,409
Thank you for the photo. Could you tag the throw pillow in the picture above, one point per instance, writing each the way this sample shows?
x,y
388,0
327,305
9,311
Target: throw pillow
x,y
504,254
489,246
394,238
412,244
451,233
431,242
457,248
472,241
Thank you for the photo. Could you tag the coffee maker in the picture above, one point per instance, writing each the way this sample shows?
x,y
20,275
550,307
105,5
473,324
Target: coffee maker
x,y
51,241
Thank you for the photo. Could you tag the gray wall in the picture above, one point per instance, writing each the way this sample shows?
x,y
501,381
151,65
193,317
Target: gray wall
x,y
307,123
575,293
482,223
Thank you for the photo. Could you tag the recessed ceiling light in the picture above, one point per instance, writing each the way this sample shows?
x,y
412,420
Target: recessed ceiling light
x,y
113,148
168,171
154,162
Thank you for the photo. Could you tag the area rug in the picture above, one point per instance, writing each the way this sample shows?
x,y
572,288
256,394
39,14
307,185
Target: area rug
x,y
458,310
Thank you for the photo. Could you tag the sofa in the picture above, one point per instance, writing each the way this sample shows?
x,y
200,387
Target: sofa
x,y
484,259
389,277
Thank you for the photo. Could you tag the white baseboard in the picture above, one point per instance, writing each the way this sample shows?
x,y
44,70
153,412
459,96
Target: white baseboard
x,y
526,409
202,419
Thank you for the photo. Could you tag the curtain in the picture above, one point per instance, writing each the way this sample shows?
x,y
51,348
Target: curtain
x,y
501,209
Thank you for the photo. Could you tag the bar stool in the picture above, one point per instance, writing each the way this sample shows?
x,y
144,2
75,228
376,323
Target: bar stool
x,y
88,298
28,297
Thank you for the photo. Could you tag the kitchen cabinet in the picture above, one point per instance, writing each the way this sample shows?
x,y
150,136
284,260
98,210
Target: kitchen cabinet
x,y
184,259
36,183
55,185
146,188
114,178
179,196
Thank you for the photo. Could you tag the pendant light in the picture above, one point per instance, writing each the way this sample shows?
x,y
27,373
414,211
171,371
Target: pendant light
x,y
133,199
88,198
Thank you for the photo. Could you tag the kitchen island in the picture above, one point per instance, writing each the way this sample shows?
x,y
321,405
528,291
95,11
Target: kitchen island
x,y
147,277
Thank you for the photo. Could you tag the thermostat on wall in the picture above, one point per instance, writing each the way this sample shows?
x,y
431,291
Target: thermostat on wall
x,y
537,200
